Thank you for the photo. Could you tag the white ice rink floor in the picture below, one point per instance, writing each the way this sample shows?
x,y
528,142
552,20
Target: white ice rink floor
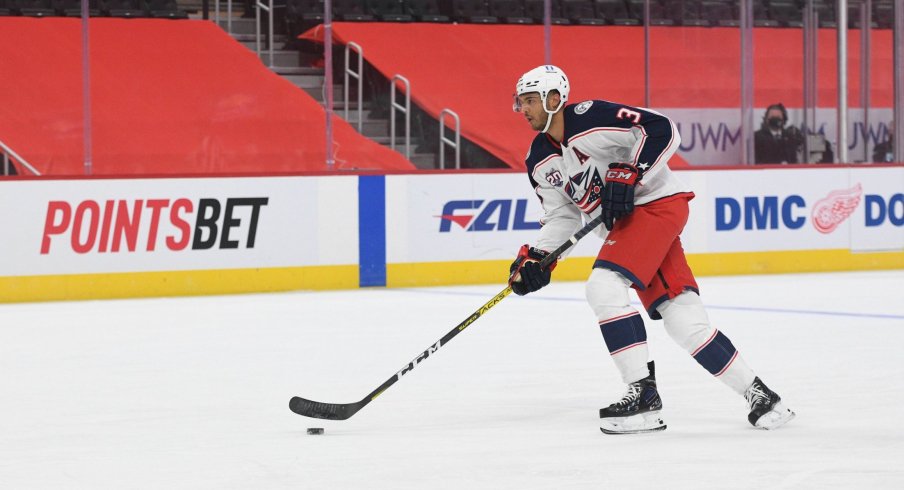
x,y
193,392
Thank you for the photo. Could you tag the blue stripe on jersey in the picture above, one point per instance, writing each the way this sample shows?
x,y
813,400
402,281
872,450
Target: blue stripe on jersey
x,y
372,230
623,332
603,114
659,135
716,355
600,114
540,149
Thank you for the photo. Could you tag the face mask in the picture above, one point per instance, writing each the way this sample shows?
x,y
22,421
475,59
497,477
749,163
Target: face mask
x,y
776,122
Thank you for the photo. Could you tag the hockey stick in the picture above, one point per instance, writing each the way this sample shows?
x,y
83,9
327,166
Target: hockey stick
x,y
342,411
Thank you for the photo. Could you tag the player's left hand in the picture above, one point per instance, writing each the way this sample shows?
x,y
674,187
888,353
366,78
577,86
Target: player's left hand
x,y
525,274
618,195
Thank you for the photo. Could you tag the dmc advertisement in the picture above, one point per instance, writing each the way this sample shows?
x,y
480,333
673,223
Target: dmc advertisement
x,y
861,209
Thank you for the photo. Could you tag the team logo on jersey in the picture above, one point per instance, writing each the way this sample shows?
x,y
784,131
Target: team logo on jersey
x,y
832,210
554,178
583,106
585,189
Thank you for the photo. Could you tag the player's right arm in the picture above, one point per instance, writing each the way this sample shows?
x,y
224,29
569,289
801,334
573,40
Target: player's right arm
x,y
560,217
559,220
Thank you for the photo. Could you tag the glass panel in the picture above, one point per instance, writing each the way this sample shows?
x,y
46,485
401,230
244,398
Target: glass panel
x,y
786,67
695,77
874,139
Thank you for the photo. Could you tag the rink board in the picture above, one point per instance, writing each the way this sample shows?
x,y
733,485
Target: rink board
x,y
109,238
743,221
105,238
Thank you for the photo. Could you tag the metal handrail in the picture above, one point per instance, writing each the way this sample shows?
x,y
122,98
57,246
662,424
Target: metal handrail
x,y
258,5
405,109
446,141
7,153
359,75
216,14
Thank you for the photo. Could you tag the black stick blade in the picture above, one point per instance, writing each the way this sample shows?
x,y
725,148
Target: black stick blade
x,y
318,410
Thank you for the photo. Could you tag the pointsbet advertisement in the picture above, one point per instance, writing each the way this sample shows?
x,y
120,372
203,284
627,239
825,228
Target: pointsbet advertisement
x,y
134,225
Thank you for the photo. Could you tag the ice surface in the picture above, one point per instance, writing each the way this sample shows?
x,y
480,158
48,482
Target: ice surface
x,y
193,392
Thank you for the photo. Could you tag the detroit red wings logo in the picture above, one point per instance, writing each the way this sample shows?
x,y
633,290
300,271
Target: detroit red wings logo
x,y
832,210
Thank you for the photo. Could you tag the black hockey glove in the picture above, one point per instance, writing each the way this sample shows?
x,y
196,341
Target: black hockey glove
x,y
618,195
525,275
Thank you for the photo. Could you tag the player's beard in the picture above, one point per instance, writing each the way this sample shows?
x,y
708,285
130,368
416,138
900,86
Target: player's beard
x,y
537,124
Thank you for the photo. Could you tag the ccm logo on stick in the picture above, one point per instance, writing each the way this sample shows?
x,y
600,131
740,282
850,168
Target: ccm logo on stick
x,y
111,225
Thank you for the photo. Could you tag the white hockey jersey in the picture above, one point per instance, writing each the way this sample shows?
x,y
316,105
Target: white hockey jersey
x,y
568,176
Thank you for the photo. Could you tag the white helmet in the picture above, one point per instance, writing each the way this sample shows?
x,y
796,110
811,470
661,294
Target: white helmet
x,y
543,79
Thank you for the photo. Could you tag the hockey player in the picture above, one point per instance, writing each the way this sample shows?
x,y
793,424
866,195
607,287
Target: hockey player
x,y
644,208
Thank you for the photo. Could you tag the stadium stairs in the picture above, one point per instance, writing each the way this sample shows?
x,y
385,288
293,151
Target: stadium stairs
x,y
211,109
287,63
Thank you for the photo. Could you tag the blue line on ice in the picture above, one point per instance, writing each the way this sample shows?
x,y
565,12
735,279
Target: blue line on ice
x,y
708,306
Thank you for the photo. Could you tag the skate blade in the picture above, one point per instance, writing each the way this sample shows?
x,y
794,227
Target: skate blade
x,y
775,418
635,424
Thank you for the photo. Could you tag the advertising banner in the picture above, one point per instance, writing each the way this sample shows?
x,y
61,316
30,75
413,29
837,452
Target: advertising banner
x,y
712,136
141,225
788,210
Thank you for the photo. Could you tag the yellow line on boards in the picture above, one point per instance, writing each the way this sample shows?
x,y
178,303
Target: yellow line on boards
x,y
578,268
175,283
233,281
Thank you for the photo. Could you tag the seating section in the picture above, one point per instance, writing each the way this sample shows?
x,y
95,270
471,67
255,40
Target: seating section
x,y
306,13
97,8
169,97
688,13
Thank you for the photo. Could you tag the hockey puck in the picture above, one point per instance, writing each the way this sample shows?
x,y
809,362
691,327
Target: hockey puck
x,y
315,431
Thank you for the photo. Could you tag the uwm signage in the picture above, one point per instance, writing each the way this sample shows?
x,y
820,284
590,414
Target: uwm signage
x,y
129,225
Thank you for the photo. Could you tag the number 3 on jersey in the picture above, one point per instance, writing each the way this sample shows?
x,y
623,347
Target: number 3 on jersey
x,y
624,113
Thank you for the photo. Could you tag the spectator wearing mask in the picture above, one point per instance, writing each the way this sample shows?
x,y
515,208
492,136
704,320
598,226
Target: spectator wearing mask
x,y
884,152
775,143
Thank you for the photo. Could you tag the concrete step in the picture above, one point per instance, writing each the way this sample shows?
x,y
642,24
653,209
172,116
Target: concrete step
x,y
352,114
384,140
283,58
368,129
424,161
316,91
297,70
339,108
307,81
376,127
239,25
250,44
278,39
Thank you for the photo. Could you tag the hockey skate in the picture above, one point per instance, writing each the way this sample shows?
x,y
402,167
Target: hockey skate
x,y
637,411
766,408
